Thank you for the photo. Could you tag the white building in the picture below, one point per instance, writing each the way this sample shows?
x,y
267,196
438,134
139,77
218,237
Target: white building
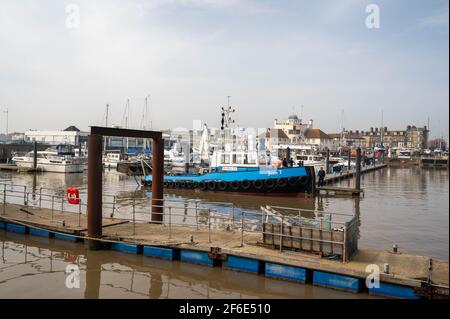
x,y
274,137
70,135
293,128
317,137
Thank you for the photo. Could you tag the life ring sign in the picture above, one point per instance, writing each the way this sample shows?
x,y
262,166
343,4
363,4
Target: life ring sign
x,y
73,196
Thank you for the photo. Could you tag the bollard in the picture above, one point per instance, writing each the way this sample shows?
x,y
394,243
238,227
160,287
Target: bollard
x,y
394,248
386,268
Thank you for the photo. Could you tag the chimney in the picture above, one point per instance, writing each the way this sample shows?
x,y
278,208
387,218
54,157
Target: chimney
x,y
310,123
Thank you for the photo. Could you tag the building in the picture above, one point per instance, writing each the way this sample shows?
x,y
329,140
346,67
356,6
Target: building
x,y
412,137
293,128
71,135
274,137
317,137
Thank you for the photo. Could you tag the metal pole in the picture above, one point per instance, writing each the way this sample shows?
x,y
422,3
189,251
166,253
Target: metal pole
x,y
170,222
157,179
242,228
349,158
328,160
114,205
24,195
53,205
79,214
4,198
134,216
209,225
35,156
344,249
358,168
196,214
40,197
232,219
62,204
281,233
94,207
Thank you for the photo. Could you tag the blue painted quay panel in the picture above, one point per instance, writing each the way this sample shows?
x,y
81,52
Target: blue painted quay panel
x,y
241,263
286,272
66,237
127,248
341,282
16,228
392,290
196,257
40,232
2,225
163,253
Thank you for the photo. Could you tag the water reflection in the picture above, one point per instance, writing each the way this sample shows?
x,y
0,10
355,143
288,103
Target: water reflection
x,y
34,267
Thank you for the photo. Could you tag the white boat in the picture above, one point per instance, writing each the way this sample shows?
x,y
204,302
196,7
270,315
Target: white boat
x,y
111,159
51,161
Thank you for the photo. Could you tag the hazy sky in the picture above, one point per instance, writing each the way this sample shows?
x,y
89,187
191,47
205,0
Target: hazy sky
x,y
188,55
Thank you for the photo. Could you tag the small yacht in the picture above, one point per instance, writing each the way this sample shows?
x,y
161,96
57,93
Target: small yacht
x,y
59,160
111,159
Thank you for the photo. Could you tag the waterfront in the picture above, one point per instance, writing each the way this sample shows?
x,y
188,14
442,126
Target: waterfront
x,y
404,206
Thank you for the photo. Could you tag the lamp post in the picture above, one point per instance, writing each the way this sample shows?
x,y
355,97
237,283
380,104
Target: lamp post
x,y
7,121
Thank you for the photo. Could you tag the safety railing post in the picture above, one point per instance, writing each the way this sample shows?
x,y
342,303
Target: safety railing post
x,y
242,228
209,225
281,233
40,197
232,218
62,204
79,213
26,203
196,213
4,198
170,222
134,216
113,206
25,195
53,205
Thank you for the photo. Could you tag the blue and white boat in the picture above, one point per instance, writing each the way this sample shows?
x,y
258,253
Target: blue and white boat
x,y
245,172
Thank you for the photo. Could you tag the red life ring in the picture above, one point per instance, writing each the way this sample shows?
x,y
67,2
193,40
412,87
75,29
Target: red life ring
x,y
73,196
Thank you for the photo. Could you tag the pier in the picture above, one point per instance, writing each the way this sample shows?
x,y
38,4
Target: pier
x,y
194,232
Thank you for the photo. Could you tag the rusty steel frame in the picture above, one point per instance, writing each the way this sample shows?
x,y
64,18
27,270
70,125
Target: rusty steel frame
x,y
95,171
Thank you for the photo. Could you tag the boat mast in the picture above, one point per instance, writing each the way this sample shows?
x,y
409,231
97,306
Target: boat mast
x,y
106,125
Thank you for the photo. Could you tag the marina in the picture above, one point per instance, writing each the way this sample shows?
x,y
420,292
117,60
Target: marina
x,y
216,149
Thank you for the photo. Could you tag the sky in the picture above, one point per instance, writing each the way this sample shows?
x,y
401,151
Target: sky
x,y
186,56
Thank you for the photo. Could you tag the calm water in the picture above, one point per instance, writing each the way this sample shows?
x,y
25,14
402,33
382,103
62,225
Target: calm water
x,y
405,206
35,267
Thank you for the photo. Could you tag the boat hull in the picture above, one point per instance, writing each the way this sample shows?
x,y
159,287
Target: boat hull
x,y
271,181
49,167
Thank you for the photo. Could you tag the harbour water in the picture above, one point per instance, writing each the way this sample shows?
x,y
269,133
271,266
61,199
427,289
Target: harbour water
x,y
403,206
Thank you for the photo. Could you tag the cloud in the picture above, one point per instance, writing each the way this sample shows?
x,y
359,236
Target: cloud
x,y
437,20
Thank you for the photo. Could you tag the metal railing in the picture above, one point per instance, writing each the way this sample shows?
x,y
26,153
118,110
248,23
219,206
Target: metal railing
x,y
283,228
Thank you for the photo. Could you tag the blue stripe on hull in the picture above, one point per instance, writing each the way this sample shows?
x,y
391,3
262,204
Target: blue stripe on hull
x,y
260,174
